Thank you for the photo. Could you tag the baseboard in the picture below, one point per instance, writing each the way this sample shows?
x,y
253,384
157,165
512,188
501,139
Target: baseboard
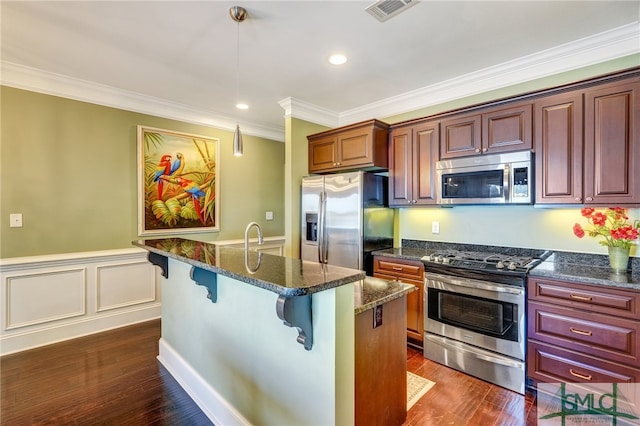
x,y
216,408
70,330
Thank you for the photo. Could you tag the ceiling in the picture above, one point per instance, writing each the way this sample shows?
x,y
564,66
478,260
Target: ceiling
x,y
178,58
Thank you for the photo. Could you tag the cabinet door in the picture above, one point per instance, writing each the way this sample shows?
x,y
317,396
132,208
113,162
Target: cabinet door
x,y
612,143
461,136
507,129
354,148
558,148
400,173
411,273
426,141
322,154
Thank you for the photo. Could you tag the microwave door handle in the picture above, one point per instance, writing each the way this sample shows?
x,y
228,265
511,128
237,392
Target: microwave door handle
x,y
507,183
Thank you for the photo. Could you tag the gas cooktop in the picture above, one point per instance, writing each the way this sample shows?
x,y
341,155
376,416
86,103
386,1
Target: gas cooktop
x,y
518,263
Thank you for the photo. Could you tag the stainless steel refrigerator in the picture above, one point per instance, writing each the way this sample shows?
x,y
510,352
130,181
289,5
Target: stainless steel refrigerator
x,y
345,217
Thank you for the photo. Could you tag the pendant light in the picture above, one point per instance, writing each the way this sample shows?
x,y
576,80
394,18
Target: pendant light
x,y
238,14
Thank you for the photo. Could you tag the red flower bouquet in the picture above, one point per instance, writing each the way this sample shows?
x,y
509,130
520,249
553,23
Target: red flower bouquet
x,y
611,225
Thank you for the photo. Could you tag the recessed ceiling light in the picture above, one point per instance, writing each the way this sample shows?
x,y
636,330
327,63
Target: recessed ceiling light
x,y
242,106
337,59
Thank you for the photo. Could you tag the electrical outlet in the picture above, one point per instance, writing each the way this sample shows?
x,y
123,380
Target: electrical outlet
x,y
15,220
435,227
269,216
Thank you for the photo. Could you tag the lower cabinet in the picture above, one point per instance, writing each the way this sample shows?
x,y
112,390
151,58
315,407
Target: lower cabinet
x,y
582,333
381,366
410,272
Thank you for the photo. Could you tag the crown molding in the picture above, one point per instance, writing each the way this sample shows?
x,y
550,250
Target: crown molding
x,y
36,80
296,108
602,47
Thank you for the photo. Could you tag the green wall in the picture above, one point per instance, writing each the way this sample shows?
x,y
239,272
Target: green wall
x,y
70,168
297,160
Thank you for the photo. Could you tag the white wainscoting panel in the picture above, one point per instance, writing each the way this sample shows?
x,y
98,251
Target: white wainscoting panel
x,y
125,285
36,298
47,299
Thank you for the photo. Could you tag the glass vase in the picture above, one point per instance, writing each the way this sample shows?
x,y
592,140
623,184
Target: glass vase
x,y
618,259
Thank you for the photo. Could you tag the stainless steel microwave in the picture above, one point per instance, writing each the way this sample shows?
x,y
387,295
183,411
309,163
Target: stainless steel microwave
x,y
486,179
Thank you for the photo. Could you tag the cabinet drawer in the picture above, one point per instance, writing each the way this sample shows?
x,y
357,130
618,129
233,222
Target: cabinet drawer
x,y
608,300
550,364
398,268
600,335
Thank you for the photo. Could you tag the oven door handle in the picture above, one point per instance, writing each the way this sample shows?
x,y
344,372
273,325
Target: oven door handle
x,y
475,284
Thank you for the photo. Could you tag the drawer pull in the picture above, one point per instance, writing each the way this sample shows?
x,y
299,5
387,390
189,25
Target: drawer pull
x,y
584,333
576,296
397,268
580,376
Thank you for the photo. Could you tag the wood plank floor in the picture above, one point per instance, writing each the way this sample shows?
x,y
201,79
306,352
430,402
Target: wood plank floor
x,y
113,378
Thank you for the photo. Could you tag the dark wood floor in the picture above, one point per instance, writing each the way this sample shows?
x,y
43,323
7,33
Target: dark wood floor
x,y
113,378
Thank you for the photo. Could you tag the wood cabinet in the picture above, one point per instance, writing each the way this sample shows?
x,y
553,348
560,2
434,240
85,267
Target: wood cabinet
x,y
381,366
581,333
497,129
600,165
413,152
357,146
410,272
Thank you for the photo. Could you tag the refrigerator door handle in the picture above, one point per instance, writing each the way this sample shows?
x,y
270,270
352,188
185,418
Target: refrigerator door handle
x,y
321,227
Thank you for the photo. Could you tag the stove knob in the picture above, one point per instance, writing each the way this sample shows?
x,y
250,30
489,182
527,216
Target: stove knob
x,y
439,259
445,260
512,266
500,264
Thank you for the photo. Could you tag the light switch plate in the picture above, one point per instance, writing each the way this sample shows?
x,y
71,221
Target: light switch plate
x,y
269,216
15,220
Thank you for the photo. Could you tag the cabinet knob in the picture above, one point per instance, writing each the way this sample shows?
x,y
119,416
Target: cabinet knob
x,y
485,149
589,198
477,150
578,199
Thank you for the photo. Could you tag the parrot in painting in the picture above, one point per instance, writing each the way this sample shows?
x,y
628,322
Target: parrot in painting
x,y
193,189
177,166
163,168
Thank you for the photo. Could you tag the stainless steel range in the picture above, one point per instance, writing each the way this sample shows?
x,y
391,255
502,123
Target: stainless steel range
x,y
475,312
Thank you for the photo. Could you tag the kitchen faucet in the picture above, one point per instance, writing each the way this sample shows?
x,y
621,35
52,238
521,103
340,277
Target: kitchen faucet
x,y
246,234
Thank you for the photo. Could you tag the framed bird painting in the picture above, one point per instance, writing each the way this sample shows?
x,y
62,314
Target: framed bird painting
x,y
177,182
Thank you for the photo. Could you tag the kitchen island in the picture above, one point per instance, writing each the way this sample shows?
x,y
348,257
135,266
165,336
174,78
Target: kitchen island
x,y
263,339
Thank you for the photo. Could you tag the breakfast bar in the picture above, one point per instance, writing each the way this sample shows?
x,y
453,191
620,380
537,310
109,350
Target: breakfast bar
x,y
256,338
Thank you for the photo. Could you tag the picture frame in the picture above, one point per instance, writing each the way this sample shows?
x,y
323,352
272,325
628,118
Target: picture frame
x,y
178,182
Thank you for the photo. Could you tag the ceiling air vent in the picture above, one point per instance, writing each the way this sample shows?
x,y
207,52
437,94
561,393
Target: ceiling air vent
x,y
385,9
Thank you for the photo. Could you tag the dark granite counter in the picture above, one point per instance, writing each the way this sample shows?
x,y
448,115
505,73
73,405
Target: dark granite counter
x,y
589,269
281,275
372,292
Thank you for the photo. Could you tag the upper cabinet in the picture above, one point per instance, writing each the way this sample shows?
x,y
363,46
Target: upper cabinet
x,y
413,152
497,129
357,146
598,165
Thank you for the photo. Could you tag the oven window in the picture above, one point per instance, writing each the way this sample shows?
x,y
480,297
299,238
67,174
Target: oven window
x,y
490,317
484,184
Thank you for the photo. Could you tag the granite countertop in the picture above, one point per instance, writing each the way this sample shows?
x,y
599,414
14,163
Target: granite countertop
x,y
587,268
566,266
372,292
282,275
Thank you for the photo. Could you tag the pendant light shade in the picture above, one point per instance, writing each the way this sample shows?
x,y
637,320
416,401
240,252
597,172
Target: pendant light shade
x,y
238,14
237,142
